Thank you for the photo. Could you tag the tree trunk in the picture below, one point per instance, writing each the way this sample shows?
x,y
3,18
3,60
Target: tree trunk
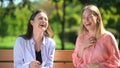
x,y
62,21
63,26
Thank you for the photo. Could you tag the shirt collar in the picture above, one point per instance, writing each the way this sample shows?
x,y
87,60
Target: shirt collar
x,y
43,41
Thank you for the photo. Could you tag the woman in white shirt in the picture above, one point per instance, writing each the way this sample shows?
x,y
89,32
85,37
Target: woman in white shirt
x,y
36,48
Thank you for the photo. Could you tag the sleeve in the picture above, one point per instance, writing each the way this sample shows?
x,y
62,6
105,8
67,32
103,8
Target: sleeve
x,y
114,60
76,60
18,55
50,56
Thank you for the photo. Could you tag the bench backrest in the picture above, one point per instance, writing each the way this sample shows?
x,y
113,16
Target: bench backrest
x,y
62,59
6,58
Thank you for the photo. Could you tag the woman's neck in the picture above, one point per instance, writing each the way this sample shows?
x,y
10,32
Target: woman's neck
x,y
92,33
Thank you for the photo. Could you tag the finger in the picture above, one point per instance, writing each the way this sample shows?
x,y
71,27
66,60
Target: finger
x,y
38,62
92,40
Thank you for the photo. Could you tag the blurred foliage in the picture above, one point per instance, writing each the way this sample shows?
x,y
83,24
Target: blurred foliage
x,y
14,18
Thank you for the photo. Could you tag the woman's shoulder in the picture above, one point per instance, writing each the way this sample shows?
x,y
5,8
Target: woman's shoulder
x,y
20,39
108,34
19,43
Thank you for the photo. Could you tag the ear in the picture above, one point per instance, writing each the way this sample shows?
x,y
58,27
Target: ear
x,y
31,22
98,17
98,21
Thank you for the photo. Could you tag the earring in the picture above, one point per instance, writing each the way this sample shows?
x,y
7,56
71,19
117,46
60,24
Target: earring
x,y
98,21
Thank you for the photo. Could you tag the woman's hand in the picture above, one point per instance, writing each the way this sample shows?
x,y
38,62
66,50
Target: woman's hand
x,y
89,42
86,43
34,64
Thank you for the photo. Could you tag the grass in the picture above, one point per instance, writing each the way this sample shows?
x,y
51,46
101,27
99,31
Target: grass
x,y
8,43
68,45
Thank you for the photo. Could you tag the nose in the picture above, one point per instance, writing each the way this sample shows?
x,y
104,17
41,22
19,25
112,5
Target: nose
x,y
43,20
85,21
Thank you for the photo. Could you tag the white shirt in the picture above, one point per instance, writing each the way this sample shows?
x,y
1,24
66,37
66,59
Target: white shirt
x,y
24,52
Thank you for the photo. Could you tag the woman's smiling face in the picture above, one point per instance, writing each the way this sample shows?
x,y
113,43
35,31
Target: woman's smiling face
x,y
89,20
40,21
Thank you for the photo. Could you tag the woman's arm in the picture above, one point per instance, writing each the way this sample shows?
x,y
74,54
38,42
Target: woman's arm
x,y
76,60
113,61
50,55
18,54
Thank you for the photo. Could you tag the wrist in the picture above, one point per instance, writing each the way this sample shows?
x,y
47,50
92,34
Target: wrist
x,y
80,51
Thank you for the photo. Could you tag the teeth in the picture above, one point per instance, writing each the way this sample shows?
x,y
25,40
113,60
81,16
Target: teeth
x,y
44,28
41,25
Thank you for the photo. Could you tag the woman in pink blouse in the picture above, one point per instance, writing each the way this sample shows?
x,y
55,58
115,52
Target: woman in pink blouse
x,y
95,47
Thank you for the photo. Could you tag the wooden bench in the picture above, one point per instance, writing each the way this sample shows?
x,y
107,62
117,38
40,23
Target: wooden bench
x,y
63,59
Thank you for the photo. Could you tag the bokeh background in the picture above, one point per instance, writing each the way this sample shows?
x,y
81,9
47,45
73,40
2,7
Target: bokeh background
x,y
64,18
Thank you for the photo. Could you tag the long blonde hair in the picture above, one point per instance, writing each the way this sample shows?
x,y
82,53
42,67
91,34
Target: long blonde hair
x,y
99,26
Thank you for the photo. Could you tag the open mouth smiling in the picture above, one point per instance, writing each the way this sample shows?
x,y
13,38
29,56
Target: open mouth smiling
x,y
42,25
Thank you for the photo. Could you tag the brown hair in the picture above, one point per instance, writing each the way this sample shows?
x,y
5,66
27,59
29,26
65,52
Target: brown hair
x,y
48,32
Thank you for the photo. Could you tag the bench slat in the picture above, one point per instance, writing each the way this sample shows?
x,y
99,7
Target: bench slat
x,y
6,65
63,55
62,59
55,65
63,65
6,55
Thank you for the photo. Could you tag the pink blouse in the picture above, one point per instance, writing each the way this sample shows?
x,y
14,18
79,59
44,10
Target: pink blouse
x,y
105,52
